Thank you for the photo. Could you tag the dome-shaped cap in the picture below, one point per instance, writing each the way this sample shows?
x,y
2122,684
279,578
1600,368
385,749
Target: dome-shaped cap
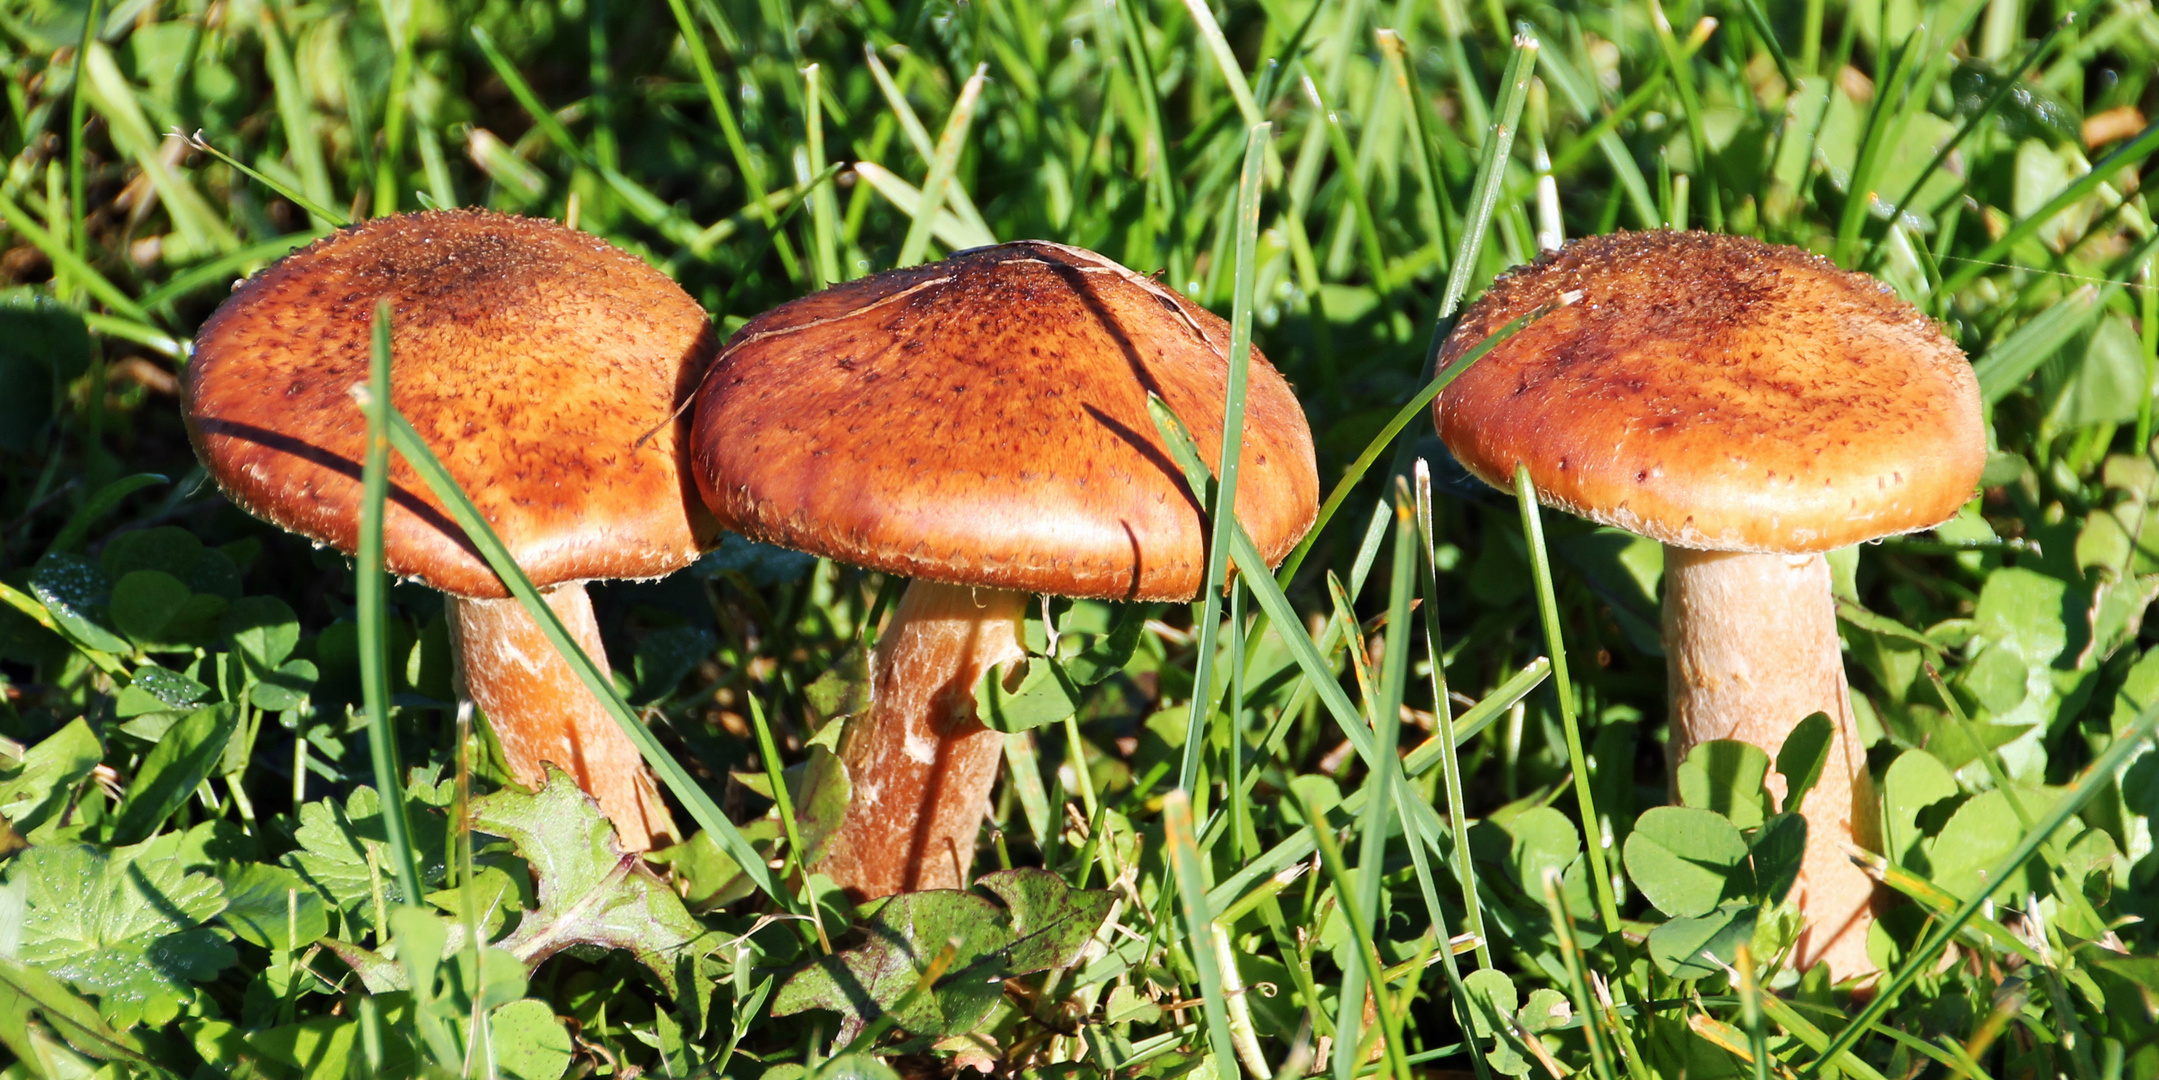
x,y
1717,392
529,356
983,421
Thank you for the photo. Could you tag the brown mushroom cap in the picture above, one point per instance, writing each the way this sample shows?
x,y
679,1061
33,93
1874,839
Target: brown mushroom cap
x,y
1717,392
529,356
983,421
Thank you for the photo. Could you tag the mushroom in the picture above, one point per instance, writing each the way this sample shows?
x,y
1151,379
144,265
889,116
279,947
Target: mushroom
x,y
532,358
1750,406
980,425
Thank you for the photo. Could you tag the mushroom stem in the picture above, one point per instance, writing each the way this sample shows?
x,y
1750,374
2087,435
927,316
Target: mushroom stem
x,y
1751,649
920,764
541,712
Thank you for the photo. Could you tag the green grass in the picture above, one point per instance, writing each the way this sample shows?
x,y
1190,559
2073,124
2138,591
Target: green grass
x,y
212,886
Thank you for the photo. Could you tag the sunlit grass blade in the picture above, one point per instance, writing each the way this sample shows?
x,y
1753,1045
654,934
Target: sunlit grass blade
x,y
2130,153
1373,824
958,203
730,130
949,228
1192,899
1223,512
408,443
824,223
950,143
1366,953
1570,953
327,217
1920,960
67,264
295,111
370,591
1443,716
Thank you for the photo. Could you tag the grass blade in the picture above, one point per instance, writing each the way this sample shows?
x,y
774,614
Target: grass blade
x,y
482,535
1224,508
949,144
1192,896
369,596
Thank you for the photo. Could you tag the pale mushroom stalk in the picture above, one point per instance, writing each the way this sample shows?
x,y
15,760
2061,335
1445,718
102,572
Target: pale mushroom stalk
x,y
1751,649
541,712
923,763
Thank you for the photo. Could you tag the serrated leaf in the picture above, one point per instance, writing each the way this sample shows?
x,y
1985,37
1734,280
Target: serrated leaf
x,y
590,891
1048,689
1678,946
1687,861
337,840
125,926
49,772
1803,756
170,772
1725,775
1045,926
1051,921
27,993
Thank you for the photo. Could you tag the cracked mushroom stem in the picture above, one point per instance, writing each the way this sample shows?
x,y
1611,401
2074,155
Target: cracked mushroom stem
x,y
921,752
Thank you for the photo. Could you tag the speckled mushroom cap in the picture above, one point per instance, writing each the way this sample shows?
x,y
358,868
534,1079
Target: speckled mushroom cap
x,y
1717,392
531,358
983,421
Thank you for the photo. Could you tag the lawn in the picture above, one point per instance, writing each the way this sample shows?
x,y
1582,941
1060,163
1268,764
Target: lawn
x,y
246,830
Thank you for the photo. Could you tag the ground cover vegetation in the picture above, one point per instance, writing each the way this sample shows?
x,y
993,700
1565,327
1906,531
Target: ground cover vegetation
x,y
200,874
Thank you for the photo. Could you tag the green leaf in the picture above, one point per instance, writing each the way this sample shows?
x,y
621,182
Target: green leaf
x,y
530,1043
157,689
125,925
704,873
160,614
1492,1002
337,841
27,994
1678,946
1687,861
1052,688
261,628
665,656
176,551
1915,781
590,891
843,689
271,906
1725,775
75,592
1777,850
1983,831
49,772
1044,926
169,774
285,688
1802,757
